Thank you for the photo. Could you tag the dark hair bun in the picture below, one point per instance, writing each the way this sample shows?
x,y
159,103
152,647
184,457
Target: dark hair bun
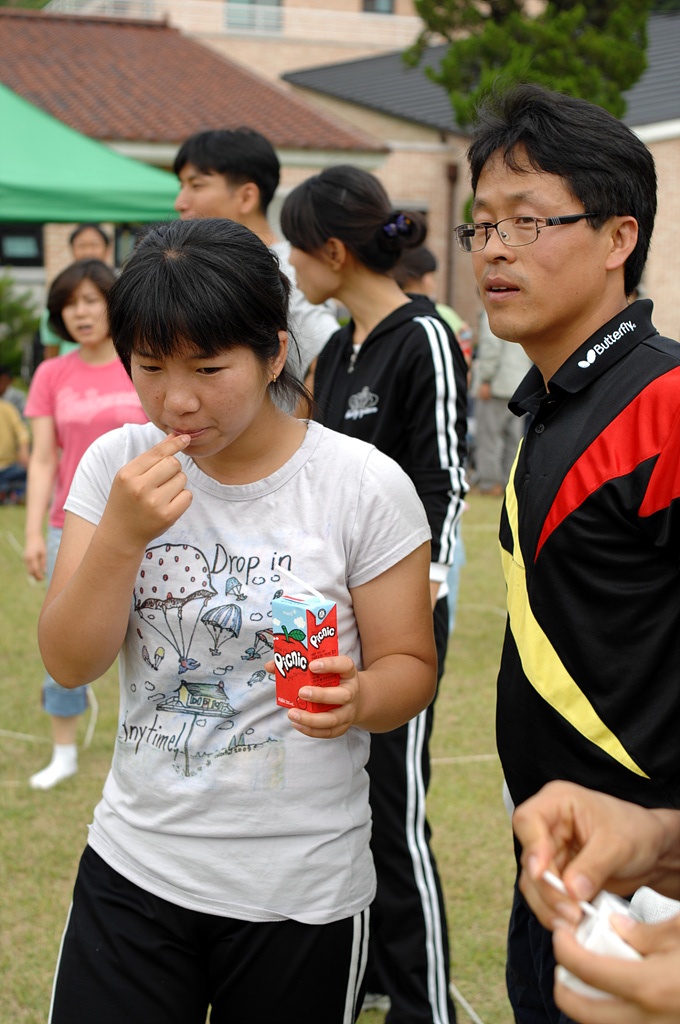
x,y
401,231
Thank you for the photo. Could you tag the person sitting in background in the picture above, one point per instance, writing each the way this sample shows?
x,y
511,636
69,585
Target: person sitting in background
x,y
14,454
88,242
9,393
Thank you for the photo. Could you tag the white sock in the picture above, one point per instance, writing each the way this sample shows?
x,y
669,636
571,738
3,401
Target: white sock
x,y
63,765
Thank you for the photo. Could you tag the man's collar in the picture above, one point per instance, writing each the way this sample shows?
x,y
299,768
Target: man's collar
x,y
594,357
605,347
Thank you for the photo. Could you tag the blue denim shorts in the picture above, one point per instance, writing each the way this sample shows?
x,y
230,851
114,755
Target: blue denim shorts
x,y
58,700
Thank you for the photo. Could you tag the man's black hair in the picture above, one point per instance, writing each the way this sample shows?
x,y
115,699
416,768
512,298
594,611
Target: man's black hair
x,y
239,154
602,162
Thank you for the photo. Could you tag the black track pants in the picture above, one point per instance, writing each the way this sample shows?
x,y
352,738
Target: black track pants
x,y
409,949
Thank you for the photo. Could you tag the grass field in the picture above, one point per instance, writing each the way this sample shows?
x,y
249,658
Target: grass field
x,y
43,834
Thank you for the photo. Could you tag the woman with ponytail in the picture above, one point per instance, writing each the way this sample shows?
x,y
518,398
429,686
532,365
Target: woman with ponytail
x,y
393,376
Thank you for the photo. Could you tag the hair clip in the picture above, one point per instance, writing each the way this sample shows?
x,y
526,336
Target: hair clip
x,y
399,224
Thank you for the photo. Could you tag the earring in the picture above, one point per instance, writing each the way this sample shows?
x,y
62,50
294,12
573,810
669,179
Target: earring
x,y
273,380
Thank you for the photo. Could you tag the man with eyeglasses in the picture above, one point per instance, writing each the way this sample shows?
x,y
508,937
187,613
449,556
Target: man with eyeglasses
x,y
588,687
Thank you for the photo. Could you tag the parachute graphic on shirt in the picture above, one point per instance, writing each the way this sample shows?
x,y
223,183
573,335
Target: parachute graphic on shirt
x,y
264,643
224,623
159,654
233,587
173,588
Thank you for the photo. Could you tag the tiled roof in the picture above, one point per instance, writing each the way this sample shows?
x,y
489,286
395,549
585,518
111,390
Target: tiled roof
x,y
656,97
120,80
387,85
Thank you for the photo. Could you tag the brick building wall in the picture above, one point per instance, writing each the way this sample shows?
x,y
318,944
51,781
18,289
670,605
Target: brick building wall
x,y
662,274
416,174
327,32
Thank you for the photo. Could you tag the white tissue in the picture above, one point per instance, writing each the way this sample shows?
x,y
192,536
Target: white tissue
x,y
596,933
650,906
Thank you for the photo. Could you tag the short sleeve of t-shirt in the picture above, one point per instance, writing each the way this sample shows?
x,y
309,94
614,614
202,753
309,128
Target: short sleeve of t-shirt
x,y
391,521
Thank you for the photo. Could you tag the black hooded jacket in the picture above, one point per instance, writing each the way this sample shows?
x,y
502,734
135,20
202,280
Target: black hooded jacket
x,y
404,390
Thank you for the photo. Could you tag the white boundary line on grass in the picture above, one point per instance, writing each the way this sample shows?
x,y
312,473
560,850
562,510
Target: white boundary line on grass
x,y
6,734
23,783
94,714
14,543
17,548
464,1003
479,526
464,759
496,609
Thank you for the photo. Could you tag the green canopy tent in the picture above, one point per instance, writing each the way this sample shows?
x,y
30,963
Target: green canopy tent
x,y
51,173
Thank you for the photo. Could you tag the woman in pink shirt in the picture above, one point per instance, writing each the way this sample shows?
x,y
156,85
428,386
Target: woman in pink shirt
x,y
73,399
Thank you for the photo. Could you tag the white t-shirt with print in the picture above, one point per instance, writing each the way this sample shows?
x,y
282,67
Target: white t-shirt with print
x,y
214,802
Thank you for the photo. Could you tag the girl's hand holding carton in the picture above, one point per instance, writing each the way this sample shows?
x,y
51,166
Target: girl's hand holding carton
x,y
306,664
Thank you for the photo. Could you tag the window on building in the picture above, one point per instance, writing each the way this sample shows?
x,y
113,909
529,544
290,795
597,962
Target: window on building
x,y
21,245
379,6
126,237
254,15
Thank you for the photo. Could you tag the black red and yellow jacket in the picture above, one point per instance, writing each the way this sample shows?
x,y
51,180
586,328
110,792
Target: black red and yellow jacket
x,y
589,683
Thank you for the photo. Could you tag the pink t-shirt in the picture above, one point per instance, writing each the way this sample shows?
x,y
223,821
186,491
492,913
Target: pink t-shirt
x,y
85,402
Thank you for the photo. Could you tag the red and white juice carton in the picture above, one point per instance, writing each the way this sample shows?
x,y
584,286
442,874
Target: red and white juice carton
x,y
305,628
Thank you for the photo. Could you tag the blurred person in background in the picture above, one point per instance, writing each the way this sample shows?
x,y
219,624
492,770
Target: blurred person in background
x,y
498,370
14,454
414,273
72,400
87,242
10,393
234,174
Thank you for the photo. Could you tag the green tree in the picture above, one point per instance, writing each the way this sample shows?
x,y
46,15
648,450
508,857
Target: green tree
x,y
18,323
595,50
23,3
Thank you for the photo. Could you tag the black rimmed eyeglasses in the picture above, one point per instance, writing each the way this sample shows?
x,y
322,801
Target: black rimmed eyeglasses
x,y
513,231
